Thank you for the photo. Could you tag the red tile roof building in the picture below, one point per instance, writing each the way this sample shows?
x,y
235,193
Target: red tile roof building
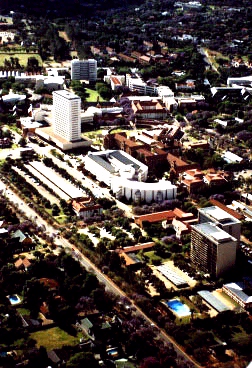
x,y
148,110
178,165
86,208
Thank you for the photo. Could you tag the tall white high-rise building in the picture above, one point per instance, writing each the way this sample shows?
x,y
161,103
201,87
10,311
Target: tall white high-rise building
x,y
213,250
66,115
84,70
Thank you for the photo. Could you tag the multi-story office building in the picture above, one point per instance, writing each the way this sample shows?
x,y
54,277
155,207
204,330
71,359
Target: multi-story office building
x,y
66,115
136,83
222,219
84,70
213,250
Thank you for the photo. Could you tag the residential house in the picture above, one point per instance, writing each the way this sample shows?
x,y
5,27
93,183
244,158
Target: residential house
x,y
22,264
21,241
54,359
126,58
51,284
96,326
3,233
148,45
189,85
136,54
144,60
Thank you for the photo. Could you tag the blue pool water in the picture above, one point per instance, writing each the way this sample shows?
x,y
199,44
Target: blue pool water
x,y
178,307
112,351
14,299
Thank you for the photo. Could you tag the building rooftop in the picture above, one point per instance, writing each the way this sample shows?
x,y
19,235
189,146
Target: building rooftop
x,y
237,288
160,185
218,214
213,301
66,94
172,276
233,213
156,216
68,188
103,163
212,231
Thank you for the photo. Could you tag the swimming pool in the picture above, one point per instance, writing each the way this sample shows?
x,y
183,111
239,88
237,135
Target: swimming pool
x,y
178,307
14,299
112,352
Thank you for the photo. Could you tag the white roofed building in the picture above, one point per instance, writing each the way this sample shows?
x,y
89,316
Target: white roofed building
x,y
126,177
231,157
213,250
222,219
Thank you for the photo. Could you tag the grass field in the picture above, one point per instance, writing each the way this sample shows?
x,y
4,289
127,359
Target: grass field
x,y
23,311
23,58
93,96
214,55
152,256
7,19
54,338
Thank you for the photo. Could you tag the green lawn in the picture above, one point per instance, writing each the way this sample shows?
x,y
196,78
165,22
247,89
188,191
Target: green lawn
x,y
61,219
93,95
152,256
124,364
23,311
23,58
54,338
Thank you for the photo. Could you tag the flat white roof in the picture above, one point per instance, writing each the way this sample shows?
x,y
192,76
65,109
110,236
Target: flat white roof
x,y
232,157
11,97
211,230
57,180
132,184
218,214
66,94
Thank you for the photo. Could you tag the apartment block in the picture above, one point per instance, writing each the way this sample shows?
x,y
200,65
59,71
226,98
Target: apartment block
x,y
213,250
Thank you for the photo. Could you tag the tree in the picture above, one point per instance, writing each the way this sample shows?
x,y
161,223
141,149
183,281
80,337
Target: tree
x,y
150,362
55,209
83,359
22,142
